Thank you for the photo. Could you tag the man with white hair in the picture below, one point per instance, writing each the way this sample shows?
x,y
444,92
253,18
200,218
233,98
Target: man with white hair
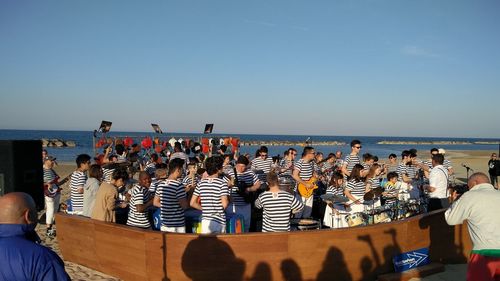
x,y
480,207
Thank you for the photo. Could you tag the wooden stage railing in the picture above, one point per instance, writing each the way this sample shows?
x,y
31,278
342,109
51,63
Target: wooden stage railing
x,y
359,253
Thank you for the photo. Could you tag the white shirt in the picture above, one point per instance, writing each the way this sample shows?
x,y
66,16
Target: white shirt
x,y
480,207
438,178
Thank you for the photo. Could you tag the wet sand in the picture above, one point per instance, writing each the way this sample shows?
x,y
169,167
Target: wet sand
x,y
477,160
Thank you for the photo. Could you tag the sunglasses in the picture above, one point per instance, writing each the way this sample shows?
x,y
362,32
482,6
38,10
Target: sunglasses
x,y
358,147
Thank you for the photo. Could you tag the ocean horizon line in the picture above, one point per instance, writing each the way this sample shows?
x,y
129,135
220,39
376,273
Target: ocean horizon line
x,y
254,134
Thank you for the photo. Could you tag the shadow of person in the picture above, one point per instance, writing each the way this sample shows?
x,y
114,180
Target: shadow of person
x,y
209,258
262,273
442,246
366,267
290,270
334,267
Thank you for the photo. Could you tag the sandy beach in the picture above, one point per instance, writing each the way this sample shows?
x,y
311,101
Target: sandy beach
x,y
476,160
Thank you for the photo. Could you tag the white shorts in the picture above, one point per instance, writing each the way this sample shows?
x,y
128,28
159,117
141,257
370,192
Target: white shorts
x,y
176,229
210,226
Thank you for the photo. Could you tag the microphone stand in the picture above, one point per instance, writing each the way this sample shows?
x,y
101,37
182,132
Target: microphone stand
x,y
468,169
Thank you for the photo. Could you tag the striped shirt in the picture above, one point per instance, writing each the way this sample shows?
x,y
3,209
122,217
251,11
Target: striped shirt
x,y
446,164
210,191
262,167
248,178
357,188
351,160
374,182
392,192
77,180
150,168
189,180
49,177
277,208
411,171
140,195
170,192
107,173
154,185
305,169
334,190
288,165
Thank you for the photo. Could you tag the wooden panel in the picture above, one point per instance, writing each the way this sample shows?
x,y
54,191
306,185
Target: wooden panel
x,y
359,253
76,240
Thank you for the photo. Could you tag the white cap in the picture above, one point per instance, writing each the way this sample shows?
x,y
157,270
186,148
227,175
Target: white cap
x,y
442,151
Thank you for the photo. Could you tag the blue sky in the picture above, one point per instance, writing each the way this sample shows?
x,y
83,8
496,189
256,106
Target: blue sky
x,y
394,68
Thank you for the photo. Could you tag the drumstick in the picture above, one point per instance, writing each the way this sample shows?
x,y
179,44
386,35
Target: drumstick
x,y
348,205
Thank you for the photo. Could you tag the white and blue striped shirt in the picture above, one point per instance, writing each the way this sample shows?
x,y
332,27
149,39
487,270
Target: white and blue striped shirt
x,y
211,191
170,192
248,178
277,209
140,195
77,180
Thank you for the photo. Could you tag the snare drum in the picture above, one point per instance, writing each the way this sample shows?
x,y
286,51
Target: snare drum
x,y
304,224
381,217
287,184
355,219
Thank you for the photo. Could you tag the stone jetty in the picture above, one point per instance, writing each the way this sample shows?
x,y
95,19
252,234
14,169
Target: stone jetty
x,y
57,143
425,142
291,143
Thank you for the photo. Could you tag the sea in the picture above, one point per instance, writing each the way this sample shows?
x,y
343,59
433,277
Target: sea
x,y
84,142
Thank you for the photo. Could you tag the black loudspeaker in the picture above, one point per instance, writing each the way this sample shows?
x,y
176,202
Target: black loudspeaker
x,y
21,169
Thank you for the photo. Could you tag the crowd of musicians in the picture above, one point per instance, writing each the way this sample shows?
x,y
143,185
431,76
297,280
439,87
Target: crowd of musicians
x,y
263,193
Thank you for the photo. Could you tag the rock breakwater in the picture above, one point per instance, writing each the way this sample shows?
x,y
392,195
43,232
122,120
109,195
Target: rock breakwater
x,y
57,143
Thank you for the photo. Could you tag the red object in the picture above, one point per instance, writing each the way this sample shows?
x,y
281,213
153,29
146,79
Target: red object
x,y
205,148
483,268
164,144
158,148
157,141
235,142
100,143
204,141
147,143
188,143
227,141
128,141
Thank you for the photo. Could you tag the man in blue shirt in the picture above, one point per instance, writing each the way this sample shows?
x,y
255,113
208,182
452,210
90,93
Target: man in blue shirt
x,y
21,258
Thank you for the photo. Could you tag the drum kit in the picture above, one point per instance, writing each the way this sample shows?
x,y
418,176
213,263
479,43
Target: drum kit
x,y
401,209
287,183
304,224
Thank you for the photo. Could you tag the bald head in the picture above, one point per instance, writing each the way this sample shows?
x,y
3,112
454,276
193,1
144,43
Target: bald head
x,y
17,208
477,178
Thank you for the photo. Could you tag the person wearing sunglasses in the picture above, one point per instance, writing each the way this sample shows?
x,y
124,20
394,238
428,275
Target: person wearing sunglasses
x,y
352,159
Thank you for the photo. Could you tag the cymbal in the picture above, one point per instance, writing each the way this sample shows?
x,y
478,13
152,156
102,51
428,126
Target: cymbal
x,y
334,198
373,193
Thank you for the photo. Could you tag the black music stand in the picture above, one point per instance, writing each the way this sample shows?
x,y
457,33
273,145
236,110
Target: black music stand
x,y
208,128
156,128
103,128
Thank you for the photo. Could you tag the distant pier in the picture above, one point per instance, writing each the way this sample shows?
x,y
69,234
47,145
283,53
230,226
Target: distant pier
x,y
291,143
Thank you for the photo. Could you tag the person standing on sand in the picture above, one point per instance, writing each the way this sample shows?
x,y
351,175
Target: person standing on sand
x,y
90,189
21,257
77,181
52,193
493,168
213,194
438,184
106,198
479,206
351,159
303,171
